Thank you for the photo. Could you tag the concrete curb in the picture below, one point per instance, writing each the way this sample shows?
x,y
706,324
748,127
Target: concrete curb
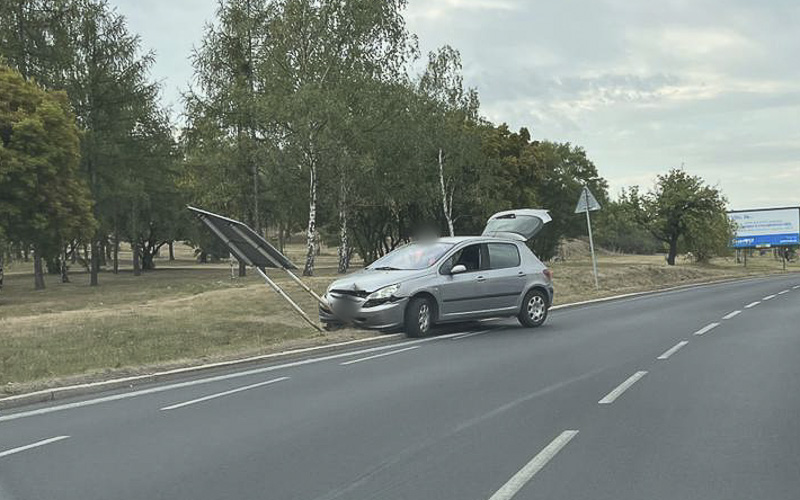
x,y
57,393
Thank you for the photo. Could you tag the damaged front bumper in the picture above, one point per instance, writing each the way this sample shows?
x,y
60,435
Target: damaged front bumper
x,y
351,311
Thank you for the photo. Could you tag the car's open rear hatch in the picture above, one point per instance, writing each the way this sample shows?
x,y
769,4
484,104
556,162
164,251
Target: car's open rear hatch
x,y
520,224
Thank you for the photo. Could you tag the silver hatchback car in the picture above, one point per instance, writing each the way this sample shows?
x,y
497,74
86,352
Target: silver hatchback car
x,y
448,280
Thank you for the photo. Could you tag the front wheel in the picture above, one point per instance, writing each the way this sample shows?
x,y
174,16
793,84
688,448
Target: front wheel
x,y
419,317
534,309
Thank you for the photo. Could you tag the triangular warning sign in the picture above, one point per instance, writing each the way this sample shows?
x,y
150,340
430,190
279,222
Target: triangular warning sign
x,y
587,200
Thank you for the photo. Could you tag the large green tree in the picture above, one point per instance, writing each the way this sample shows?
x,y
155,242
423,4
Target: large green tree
x,y
318,52
43,199
682,208
84,47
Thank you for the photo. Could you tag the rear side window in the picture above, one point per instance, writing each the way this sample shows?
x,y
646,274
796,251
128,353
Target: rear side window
x,y
503,255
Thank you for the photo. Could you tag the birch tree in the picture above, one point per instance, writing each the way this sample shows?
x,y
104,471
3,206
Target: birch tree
x,y
453,111
316,52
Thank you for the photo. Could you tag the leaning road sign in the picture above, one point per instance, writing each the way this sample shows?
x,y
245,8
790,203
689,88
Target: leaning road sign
x,y
252,249
588,203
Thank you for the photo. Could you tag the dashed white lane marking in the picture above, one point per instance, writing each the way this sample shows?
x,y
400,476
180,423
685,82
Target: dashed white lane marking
x,y
752,304
530,469
796,287
706,328
613,395
732,314
359,360
782,292
208,380
769,297
673,349
471,334
33,445
221,394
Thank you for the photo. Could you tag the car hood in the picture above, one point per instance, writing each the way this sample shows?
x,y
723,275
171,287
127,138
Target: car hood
x,y
368,280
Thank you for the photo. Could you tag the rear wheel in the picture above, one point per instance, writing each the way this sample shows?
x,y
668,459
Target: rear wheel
x,y
419,317
534,309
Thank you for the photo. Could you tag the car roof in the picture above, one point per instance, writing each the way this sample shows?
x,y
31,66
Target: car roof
x,y
460,239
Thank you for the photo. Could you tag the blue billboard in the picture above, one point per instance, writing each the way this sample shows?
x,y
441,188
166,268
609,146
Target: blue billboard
x,y
766,227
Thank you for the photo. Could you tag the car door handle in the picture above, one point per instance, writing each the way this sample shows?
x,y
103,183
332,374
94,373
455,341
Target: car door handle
x,y
481,279
521,274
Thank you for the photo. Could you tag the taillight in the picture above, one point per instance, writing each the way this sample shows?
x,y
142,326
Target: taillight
x,y
548,274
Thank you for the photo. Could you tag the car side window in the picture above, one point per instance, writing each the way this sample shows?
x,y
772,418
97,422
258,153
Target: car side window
x,y
503,255
469,257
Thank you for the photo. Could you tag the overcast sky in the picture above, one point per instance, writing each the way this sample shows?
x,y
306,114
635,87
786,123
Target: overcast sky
x,y
641,85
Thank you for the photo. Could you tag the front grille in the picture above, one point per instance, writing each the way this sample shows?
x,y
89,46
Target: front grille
x,y
350,293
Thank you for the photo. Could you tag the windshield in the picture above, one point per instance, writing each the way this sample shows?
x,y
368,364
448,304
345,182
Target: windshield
x,y
412,256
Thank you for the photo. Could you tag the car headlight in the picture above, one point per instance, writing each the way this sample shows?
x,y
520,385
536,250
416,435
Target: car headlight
x,y
384,293
381,296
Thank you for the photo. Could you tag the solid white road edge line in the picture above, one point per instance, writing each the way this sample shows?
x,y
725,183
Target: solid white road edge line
x,y
732,314
752,304
255,371
672,350
34,445
613,395
471,334
706,328
769,297
221,394
359,360
530,469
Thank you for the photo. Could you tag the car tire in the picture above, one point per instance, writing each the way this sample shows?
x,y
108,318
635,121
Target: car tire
x,y
419,317
534,309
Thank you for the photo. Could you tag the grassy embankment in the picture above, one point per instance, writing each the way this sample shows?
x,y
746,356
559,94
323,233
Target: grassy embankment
x,y
184,313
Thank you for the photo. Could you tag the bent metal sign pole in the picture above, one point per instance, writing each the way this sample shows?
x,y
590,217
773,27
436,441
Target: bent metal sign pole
x,y
252,249
588,203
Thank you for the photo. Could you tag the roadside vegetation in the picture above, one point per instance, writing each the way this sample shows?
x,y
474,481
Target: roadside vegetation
x,y
184,313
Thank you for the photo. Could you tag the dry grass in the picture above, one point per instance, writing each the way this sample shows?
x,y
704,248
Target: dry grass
x,y
183,313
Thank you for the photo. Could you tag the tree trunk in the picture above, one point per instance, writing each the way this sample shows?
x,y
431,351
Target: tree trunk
x,y
147,260
242,269
171,251
116,252
311,231
38,271
447,205
94,266
137,267
64,267
2,253
102,253
673,251
256,215
344,247
281,237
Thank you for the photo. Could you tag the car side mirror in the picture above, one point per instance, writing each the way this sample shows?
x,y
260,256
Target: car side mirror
x,y
458,269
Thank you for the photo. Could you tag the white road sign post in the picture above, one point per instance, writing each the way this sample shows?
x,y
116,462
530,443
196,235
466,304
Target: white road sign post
x,y
588,203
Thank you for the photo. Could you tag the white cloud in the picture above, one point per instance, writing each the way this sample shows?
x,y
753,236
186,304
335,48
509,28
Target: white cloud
x,y
439,9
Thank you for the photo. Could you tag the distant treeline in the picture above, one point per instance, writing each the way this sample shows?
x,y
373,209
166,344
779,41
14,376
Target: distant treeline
x,y
302,116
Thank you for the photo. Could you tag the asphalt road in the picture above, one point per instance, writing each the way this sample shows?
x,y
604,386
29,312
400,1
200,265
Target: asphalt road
x,y
619,400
